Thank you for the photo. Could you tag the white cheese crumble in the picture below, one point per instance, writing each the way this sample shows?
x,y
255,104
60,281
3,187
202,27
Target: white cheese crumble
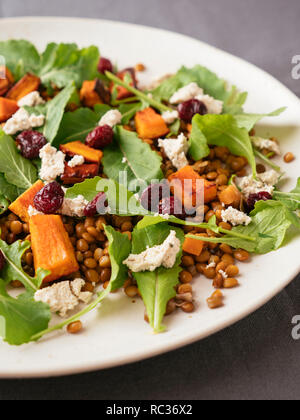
x,y
53,163
186,93
270,177
22,121
265,182
124,160
268,144
235,217
223,274
211,265
170,116
63,297
76,161
73,207
157,256
33,211
32,99
176,150
213,105
111,118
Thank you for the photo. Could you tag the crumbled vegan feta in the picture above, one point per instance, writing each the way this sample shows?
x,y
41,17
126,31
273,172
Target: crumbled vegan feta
x,y
268,144
214,106
157,256
170,116
124,160
176,150
270,177
63,297
223,274
22,121
73,207
111,118
53,163
75,161
32,99
186,93
33,211
265,182
235,217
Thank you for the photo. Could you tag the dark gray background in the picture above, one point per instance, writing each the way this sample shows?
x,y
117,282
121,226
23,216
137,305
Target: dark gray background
x,y
257,358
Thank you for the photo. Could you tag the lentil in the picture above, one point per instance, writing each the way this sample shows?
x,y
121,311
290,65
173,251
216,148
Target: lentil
x,y
74,327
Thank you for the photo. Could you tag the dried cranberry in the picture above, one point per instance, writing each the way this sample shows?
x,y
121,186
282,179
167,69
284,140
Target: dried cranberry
x,y
171,206
190,108
49,199
97,205
2,261
104,65
100,137
153,195
30,143
254,198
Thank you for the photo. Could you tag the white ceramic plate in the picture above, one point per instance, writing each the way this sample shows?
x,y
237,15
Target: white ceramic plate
x,y
116,333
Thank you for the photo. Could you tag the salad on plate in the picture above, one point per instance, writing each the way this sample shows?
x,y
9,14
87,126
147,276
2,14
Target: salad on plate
x,y
107,186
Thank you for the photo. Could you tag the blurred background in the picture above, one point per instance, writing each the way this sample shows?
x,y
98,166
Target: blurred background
x,y
256,358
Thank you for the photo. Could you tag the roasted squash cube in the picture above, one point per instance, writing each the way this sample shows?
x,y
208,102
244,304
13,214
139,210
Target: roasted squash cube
x,y
51,247
78,148
123,93
7,81
88,95
20,206
29,83
150,124
8,108
187,192
79,173
193,246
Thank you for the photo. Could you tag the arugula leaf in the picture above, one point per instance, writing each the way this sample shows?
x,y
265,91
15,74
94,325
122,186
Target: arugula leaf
x,y
157,287
17,170
130,154
221,130
198,143
119,249
270,223
9,191
62,63
248,121
207,80
78,124
21,318
20,56
13,266
55,111
4,203
291,200
120,201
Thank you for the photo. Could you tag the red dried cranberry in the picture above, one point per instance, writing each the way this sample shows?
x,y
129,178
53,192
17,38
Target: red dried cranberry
x,y
254,198
30,143
49,199
190,108
104,65
171,206
153,195
97,205
100,137
2,261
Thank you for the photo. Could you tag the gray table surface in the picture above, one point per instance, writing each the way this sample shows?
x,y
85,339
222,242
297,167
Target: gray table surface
x,y
256,358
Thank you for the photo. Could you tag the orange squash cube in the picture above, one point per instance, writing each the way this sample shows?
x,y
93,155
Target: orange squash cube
x,y
8,108
231,195
20,206
88,95
193,246
29,83
51,247
188,193
150,125
78,148
7,81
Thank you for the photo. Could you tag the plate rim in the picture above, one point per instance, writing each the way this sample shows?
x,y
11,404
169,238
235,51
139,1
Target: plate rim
x,y
192,337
